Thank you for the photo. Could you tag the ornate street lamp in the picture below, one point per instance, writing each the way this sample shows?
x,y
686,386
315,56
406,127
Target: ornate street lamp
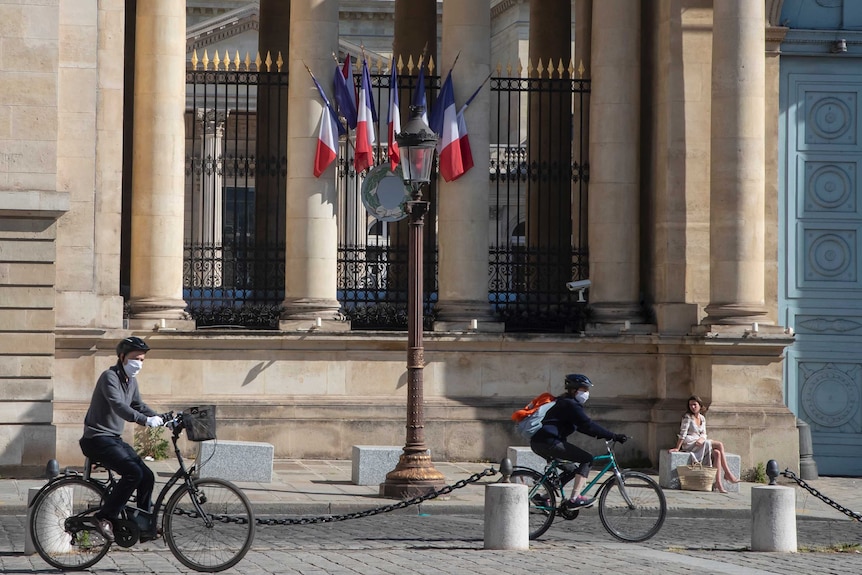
x,y
415,474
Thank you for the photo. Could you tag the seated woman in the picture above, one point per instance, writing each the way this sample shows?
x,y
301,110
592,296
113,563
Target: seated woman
x,y
692,438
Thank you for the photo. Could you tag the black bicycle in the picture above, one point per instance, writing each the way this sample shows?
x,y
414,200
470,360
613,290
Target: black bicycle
x,y
207,523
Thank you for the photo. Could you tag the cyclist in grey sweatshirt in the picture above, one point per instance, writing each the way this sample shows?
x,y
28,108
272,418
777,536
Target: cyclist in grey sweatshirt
x,y
115,401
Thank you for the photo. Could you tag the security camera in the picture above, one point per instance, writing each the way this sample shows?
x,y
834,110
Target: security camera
x,y
579,286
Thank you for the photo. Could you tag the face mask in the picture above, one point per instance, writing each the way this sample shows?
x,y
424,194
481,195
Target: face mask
x,y
133,367
582,397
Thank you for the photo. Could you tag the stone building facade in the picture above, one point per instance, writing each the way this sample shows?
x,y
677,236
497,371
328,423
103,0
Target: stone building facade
x,y
684,219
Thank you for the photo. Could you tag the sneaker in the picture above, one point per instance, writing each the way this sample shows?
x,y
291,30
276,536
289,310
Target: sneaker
x,y
581,501
104,527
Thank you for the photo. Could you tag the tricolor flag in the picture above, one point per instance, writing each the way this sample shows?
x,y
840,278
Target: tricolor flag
x,y
394,120
327,136
365,117
327,141
444,123
345,92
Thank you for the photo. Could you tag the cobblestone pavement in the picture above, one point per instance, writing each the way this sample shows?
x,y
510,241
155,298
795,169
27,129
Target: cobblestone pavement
x,y
404,542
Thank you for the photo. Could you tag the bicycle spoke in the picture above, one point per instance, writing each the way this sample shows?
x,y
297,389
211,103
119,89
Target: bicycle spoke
x,y
218,541
543,503
61,539
633,511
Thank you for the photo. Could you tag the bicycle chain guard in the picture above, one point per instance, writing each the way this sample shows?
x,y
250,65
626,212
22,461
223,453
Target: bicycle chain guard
x,y
126,533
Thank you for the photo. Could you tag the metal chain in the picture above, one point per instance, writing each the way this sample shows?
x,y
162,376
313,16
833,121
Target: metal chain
x,y
852,514
445,490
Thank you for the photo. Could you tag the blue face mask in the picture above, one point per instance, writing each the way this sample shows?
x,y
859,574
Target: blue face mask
x,y
582,397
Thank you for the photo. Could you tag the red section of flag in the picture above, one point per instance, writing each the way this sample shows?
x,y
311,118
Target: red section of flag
x,y
327,142
364,150
394,120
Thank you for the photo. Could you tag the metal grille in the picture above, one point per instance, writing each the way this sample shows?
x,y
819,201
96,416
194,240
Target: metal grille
x,y
236,174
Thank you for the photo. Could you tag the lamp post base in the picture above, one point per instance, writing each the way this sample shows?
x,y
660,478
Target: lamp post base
x,y
414,475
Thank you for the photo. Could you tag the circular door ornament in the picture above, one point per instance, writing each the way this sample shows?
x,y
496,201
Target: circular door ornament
x,y
830,397
384,194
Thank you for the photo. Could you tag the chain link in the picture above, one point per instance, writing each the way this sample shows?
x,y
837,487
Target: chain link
x,y
445,490
852,514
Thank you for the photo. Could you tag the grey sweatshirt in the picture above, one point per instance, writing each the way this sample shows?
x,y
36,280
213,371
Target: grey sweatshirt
x,y
114,403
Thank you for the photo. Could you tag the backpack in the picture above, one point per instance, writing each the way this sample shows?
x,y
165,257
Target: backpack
x,y
529,419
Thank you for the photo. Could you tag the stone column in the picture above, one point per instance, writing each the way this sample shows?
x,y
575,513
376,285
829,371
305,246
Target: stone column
x,y
311,249
207,200
415,29
736,221
549,223
614,206
581,120
158,171
271,142
463,203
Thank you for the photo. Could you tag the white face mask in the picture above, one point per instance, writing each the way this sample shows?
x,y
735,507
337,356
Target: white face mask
x,y
582,397
133,367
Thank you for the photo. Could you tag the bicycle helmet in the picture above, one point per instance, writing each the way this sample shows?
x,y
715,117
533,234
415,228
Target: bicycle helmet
x,y
132,343
577,380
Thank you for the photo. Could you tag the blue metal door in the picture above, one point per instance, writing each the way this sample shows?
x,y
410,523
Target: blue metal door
x,y
821,247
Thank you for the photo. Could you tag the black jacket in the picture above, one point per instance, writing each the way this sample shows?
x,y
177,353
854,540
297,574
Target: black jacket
x,y
565,418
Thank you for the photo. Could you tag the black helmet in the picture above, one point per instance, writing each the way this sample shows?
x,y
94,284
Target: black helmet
x,y
132,343
577,380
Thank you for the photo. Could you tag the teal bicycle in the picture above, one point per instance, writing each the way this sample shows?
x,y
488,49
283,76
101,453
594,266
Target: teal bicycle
x,y
632,506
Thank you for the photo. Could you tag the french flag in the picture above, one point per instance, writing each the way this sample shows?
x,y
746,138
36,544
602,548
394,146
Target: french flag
x,y
444,123
327,141
394,120
364,150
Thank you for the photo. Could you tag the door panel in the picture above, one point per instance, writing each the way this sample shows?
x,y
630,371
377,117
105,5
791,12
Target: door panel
x,y
821,247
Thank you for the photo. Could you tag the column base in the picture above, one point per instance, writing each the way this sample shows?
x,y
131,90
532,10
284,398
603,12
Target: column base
x,y
612,318
459,315
414,475
155,308
735,314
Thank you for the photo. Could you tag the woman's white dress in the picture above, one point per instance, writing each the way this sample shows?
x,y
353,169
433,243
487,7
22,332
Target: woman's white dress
x,y
690,431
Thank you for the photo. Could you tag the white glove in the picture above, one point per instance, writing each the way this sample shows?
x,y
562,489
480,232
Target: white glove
x,y
155,421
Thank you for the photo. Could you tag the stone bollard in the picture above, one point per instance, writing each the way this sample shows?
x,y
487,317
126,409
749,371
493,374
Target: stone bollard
x,y
773,518
507,524
29,549
807,465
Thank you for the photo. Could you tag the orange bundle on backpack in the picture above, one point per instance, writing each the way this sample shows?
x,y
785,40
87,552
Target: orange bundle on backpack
x,y
533,406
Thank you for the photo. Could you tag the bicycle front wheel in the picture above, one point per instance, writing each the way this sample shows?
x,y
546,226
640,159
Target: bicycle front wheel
x,y
634,510
61,525
543,500
221,538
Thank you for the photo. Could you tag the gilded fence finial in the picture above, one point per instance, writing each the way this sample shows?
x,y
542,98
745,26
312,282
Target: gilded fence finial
x,y
236,61
206,59
581,70
279,62
247,61
216,60
257,62
268,61
195,59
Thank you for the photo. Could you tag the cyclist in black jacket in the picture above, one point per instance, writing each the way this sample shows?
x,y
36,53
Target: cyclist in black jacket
x,y
566,417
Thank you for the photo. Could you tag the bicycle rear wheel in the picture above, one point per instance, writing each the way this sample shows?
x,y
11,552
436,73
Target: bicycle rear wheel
x,y
633,511
62,539
543,500
217,546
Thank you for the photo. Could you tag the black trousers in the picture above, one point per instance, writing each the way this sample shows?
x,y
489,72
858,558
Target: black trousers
x,y
117,455
553,448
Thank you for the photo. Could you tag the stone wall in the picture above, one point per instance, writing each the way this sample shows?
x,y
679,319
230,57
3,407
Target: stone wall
x,y
317,395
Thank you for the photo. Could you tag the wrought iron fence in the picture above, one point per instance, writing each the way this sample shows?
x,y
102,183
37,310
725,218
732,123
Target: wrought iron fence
x,y
236,174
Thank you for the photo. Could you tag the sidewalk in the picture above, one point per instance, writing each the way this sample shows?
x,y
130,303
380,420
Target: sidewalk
x,y
323,487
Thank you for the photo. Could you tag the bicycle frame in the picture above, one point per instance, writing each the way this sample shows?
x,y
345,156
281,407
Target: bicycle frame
x,y
611,463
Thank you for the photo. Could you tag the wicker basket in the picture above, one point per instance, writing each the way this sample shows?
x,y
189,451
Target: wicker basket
x,y
696,477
